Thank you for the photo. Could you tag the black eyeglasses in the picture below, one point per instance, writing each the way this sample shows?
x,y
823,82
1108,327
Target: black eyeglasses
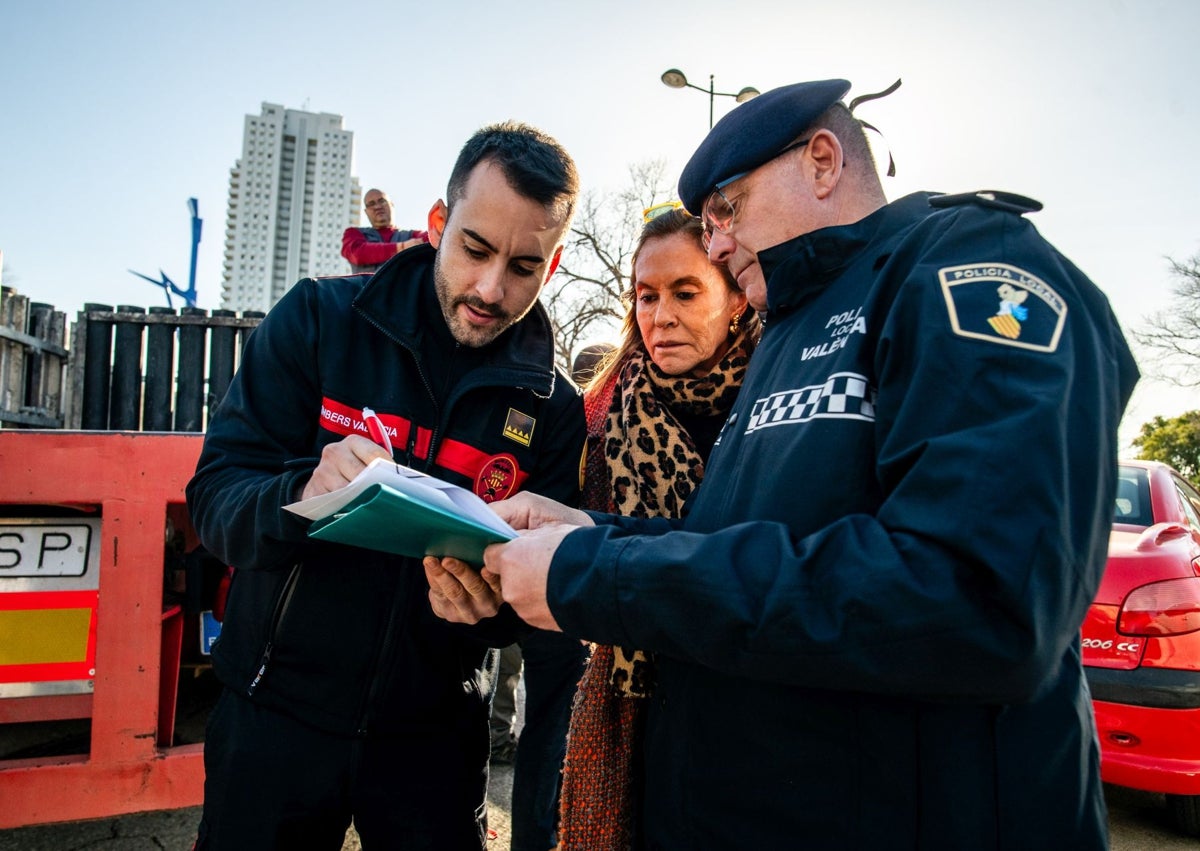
x,y
719,212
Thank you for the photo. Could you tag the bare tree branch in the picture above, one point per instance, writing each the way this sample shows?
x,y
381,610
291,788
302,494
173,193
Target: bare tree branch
x,y
1172,336
584,297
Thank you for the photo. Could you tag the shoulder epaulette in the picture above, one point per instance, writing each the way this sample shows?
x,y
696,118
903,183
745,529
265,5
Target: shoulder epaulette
x,y
1008,201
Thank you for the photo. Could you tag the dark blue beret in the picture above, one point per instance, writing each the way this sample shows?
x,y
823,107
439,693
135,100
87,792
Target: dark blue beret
x,y
752,133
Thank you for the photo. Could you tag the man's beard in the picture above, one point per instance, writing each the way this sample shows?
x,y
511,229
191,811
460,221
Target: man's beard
x,y
463,331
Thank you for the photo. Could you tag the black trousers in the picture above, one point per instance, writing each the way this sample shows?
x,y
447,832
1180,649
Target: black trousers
x,y
274,783
553,666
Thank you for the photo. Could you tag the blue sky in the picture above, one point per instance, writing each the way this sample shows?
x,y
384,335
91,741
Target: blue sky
x,y
115,114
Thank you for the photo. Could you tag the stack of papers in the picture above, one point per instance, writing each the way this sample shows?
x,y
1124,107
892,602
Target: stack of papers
x,y
395,509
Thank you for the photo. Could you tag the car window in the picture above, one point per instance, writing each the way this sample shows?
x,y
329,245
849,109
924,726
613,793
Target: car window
x,y
1189,501
1133,497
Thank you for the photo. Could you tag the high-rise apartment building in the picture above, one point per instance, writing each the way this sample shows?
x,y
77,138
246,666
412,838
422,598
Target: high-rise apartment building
x,y
291,195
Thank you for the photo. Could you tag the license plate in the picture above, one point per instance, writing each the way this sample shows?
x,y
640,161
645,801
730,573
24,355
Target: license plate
x,y
45,548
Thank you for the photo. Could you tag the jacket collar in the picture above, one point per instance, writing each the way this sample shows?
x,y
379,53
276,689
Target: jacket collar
x,y
810,262
396,300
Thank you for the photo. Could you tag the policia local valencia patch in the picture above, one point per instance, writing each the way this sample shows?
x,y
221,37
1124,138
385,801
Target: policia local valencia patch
x,y
1002,304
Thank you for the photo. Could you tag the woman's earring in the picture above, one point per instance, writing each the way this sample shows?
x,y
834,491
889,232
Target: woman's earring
x,y
734,323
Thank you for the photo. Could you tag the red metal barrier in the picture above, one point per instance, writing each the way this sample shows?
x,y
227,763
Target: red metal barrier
x,y
130,481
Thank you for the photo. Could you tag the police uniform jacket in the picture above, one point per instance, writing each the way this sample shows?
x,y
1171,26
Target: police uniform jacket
x,y
340,637
868,624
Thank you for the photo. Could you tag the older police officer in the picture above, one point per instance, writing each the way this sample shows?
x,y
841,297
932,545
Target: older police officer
x,y
868,623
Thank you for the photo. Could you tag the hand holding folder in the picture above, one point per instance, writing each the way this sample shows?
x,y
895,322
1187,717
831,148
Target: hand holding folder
x,y
395,509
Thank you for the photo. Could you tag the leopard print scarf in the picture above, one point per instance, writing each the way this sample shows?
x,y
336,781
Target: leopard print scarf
x,y
652,461
640,462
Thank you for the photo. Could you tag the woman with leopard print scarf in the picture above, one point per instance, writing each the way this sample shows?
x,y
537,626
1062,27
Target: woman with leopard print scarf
x,y
654,410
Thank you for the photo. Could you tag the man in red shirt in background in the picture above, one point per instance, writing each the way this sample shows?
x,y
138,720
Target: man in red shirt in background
x,y
369,248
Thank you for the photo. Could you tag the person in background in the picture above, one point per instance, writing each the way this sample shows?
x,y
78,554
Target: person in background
x,y
348,694
583,369
367,249
866,627
654,409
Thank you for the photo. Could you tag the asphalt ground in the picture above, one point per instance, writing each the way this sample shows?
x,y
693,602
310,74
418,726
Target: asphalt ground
x,y
175,830
1138,820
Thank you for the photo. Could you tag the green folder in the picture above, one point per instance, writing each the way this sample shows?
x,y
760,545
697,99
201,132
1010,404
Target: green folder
x,y
382,518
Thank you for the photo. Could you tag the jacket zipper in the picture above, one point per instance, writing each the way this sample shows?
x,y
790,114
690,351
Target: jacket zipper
x,y
281,607
389,631
412,436
373,688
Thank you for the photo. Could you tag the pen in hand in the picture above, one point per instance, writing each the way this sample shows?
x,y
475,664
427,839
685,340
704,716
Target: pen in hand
x,y
377,429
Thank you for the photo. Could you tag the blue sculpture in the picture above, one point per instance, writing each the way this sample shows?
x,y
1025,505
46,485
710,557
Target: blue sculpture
x,y
169,286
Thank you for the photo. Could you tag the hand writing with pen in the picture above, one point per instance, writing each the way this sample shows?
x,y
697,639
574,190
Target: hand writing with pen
x,y
342,461
458,591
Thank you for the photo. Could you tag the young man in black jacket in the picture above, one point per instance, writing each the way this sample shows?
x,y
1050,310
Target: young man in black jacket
x,y
347,695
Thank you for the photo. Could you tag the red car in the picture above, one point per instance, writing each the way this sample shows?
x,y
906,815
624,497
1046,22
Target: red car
x,y
1141,641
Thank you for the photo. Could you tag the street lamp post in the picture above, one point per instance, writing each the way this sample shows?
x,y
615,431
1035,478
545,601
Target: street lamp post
x,y
675,78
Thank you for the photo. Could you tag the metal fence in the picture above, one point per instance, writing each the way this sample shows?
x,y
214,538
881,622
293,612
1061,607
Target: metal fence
x,y
128,369
32,361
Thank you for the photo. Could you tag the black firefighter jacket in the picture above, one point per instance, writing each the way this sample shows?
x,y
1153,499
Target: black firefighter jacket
x,y
339,637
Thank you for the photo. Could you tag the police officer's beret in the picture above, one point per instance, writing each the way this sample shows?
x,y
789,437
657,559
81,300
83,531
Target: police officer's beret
x,y
752,133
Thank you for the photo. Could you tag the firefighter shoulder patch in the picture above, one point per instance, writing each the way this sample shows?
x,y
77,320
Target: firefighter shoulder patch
x,y
1000,303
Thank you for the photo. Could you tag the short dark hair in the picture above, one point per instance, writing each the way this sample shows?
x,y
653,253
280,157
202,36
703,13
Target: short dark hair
x,y
534,163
